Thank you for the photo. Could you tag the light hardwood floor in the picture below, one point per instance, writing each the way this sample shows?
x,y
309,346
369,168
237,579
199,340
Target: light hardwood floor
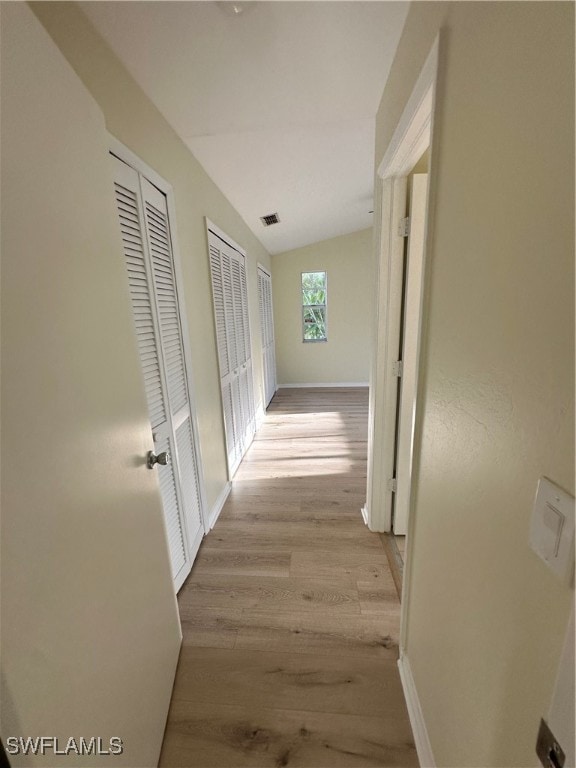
x,y
290,615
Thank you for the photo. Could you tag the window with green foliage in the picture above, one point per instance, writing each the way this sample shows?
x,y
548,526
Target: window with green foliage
x,y
314,306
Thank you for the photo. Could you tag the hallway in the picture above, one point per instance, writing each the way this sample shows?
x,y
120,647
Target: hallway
x,y
290,615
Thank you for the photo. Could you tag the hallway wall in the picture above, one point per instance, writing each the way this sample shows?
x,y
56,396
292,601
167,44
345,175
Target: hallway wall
x,y
486,618
133,120
344,358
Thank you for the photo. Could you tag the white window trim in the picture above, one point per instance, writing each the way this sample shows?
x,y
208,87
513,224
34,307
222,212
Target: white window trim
x,y
325,305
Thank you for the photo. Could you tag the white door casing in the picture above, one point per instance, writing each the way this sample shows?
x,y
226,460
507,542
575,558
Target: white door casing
x,y
410,333
412,136
267,333
230,301
148,249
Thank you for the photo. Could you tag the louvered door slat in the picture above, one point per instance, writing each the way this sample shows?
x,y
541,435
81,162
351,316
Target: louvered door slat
x,y
142,310
238,314
251,411
219,312
237,416
189,471
261,307
170,503
245,320
229,310
230,299
231,438
175,370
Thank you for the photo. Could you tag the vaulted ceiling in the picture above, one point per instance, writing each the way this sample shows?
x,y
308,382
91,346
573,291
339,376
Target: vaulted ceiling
x,y
277,100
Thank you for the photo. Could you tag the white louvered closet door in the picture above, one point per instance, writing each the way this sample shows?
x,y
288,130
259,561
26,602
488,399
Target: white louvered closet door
x,y
145,228
230,294
267,333
245,354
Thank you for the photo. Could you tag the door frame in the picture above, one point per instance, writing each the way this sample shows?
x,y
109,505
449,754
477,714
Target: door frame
x,y
211,227
130,158
264,405
413,134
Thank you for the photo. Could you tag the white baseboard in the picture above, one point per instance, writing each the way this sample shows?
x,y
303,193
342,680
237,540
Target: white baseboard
x,y
364,511
330,384
220,501
421,739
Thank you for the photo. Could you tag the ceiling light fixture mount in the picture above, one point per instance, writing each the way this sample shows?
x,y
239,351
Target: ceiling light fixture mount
x,y
234,8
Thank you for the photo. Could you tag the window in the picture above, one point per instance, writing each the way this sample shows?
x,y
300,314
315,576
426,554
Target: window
x,y
314,306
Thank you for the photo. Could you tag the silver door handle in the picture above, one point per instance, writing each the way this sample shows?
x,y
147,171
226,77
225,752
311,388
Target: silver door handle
x,y
162,458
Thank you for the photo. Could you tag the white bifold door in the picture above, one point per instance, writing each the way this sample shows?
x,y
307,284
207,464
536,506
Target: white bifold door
x,y
148,249
267,333
230,294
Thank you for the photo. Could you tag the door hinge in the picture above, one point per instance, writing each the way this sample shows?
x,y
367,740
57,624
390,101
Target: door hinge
x,y
392,485
404,227
397,368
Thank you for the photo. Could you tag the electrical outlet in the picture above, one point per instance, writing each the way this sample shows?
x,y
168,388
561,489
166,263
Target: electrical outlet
x,y
548,750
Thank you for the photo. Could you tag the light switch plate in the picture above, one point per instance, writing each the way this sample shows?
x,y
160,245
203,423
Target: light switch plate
x,y
552,528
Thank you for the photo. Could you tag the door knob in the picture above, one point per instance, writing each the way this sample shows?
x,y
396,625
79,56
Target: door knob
x,y
162,458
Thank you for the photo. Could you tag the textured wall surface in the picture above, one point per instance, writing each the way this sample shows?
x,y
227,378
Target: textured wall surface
x,y
486,618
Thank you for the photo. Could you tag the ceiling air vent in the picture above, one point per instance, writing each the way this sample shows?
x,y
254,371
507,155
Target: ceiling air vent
x,y
272,218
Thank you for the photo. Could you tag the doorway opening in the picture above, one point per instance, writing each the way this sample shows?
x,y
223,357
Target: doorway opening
x,y
401,229
410,288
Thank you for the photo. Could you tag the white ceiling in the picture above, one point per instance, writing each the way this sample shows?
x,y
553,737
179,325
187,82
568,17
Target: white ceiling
x,y
277,102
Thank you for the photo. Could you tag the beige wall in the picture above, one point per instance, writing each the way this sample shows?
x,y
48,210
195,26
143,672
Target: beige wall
x,y
344,358
486,619
134,121
90,629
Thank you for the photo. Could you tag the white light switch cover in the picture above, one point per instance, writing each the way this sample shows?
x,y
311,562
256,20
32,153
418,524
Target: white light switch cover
x,y
552,528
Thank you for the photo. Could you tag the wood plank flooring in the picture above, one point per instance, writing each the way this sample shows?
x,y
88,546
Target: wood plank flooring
x,y
395,559
290,615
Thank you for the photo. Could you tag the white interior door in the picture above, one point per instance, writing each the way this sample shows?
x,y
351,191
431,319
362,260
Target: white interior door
x,y
230,295
383,380
146,238
267,333
409,353
90,628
